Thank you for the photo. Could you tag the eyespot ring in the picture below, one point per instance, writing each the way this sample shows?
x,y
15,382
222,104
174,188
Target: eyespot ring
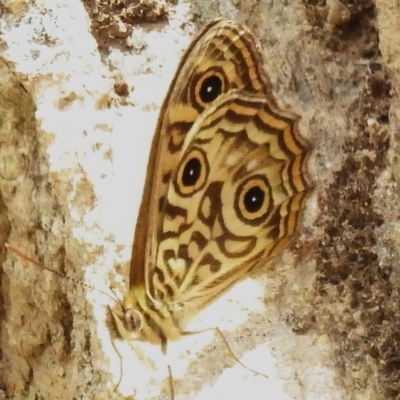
x,y
209,86
253,199
192,172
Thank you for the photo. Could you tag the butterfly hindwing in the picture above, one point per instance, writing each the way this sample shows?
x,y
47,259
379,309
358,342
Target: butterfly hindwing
x,y
232,201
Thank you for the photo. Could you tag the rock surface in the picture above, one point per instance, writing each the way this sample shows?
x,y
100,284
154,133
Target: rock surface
x,y
81,83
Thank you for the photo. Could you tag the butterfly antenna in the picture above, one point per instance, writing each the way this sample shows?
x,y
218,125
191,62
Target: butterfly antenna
x,y
18,253
116,298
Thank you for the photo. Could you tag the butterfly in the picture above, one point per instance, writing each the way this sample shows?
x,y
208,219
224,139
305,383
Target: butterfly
x,y
226,183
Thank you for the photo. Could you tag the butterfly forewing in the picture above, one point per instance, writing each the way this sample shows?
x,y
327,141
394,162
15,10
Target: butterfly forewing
x,y
223,57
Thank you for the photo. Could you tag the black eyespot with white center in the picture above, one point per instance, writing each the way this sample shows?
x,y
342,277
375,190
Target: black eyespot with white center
x,y
253,199
210,89
192,172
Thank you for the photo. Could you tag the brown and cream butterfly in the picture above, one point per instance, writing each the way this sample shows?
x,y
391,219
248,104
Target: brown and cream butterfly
x,y
226,183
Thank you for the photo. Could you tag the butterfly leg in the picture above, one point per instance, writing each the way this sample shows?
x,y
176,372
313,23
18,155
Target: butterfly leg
x,y
232,354
170,378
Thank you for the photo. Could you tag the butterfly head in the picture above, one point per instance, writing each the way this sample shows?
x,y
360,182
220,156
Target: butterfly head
x,y
139,318
125,320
